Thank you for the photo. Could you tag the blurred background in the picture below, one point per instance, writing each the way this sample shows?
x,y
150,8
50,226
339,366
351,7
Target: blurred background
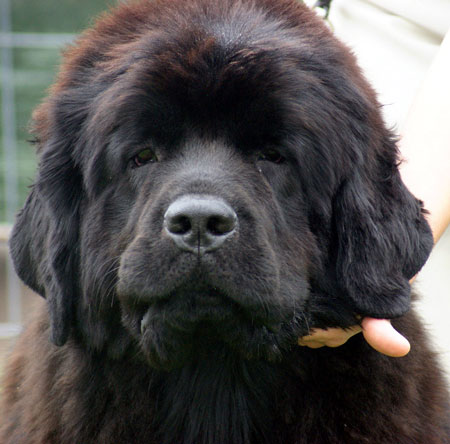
x,y
32,35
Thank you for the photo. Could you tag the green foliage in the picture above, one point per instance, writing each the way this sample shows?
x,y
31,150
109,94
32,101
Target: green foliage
x,y
35,69
55,15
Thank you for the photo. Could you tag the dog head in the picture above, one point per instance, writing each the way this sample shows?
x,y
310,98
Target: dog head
x,y
214,172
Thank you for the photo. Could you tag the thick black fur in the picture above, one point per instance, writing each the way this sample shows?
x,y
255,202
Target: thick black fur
x,y
256,105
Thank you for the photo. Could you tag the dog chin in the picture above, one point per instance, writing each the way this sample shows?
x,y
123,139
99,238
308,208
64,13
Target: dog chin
x,y
169,341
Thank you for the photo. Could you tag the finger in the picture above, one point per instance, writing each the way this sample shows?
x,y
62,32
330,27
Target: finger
x,y
332,337
381,335
310,343
345,335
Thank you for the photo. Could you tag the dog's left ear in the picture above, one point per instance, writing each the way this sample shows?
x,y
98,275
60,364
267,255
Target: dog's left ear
x,y
382,237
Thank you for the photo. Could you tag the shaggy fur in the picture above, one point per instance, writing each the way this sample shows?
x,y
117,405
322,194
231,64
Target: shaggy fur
x,y
215,180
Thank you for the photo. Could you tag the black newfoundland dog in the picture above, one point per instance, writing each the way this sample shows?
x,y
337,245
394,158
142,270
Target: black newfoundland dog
x,y
215,180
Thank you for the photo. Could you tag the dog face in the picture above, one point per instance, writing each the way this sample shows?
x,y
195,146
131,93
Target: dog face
x,y
214,174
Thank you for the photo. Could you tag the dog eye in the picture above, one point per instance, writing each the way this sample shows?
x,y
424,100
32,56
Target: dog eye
x,y
271,155
144,157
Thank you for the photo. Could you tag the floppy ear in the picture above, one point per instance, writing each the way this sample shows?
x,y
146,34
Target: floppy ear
x,y
383,239
44,242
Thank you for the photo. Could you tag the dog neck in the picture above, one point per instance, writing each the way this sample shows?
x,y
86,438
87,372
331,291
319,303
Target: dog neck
x,y
216,398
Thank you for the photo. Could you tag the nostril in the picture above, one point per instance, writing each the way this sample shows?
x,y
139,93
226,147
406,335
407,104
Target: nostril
x,y
179,224
219,224
198,223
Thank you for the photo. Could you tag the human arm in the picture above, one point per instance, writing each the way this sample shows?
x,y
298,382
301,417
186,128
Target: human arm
x,y
425,143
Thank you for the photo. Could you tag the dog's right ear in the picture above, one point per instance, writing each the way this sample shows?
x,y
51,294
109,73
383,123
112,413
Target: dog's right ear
x,y
44,241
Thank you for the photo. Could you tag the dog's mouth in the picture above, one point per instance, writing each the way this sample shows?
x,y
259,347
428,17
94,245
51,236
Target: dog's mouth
x,y
190,322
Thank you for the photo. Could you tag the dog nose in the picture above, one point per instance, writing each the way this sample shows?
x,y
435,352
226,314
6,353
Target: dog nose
x,y
199,224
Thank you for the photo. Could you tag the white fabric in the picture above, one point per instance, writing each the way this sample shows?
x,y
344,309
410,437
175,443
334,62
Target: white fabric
x,y
395,42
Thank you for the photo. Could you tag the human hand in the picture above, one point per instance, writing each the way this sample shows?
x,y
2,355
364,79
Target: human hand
x,y
378,333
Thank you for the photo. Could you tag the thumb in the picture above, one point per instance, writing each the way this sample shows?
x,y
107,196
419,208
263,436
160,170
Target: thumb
x,y
381,336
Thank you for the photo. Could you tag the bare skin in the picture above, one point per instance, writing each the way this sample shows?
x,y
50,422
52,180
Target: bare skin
x,y
379,333
425,147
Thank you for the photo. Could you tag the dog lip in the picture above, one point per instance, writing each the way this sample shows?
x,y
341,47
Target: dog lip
x,y
214,310
184,309
185,314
